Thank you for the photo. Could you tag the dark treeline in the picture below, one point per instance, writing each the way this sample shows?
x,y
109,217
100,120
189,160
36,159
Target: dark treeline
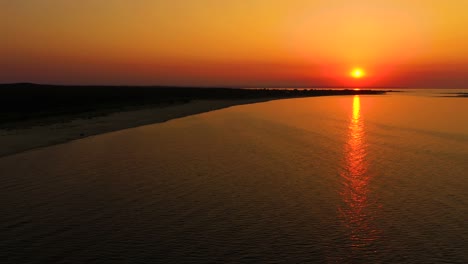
x,y
20,102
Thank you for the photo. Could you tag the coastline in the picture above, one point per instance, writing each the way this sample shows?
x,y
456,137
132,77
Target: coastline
x,y
34,116
32,135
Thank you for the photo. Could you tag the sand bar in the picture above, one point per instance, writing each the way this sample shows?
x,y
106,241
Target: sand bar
x,y
34,116
24,138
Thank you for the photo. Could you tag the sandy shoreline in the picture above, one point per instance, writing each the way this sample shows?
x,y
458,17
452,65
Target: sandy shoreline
x,y
22,139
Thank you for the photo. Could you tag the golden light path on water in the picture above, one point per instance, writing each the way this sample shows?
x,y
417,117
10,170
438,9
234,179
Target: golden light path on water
x,y
355,212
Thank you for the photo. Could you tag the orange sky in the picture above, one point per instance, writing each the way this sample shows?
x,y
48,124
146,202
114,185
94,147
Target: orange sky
x,y
417,43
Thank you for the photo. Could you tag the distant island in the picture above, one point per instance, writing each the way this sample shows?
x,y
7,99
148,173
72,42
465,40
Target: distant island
x,y
35,115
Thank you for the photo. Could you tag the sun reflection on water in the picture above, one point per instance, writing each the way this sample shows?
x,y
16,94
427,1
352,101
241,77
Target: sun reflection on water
x,y
355,212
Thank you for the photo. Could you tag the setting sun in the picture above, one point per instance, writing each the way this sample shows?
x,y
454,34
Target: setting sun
x,y
358,73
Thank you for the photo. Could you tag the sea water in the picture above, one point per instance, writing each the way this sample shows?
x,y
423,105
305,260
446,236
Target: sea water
x,y
363,179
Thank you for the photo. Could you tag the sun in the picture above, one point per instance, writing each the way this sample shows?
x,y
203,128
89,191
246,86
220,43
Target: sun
x,y
358,73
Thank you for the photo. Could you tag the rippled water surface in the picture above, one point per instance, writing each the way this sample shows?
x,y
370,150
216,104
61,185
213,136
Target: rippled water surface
x,y
369,179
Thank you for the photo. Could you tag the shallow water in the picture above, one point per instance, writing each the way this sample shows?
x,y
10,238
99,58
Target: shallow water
x,y
369,179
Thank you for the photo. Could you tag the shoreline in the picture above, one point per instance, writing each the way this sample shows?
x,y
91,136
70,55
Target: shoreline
x,y
36,135
63,114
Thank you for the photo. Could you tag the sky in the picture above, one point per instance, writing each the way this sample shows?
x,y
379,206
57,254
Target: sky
x,y
254,43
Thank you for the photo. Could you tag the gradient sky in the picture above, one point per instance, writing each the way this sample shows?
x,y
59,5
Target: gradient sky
x,y
256,43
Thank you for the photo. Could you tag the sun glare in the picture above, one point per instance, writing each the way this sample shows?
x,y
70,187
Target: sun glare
x,y
358,73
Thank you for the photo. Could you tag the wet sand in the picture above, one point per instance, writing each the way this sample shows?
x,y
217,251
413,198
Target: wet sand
x,y
33,116
30,135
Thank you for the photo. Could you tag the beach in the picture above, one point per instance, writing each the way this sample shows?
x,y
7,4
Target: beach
x,y
34,116
34,134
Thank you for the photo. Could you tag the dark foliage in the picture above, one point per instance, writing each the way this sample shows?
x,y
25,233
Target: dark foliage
x,y
26,101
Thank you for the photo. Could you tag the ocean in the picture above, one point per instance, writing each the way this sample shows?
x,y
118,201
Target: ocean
x,y
342,179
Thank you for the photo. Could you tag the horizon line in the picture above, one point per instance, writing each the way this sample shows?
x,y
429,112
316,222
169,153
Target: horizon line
x,y
222,86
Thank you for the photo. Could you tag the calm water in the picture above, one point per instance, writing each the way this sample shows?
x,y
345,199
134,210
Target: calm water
x,y
369,179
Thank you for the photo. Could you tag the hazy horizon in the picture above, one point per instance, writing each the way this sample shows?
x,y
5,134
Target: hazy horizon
x,y
215,86
261,43
235,87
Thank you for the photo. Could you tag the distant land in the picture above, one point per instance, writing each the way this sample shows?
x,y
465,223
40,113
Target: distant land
x,y
34,116
27,101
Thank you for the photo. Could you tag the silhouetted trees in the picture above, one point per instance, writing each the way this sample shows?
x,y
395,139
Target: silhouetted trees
x,y
29,101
